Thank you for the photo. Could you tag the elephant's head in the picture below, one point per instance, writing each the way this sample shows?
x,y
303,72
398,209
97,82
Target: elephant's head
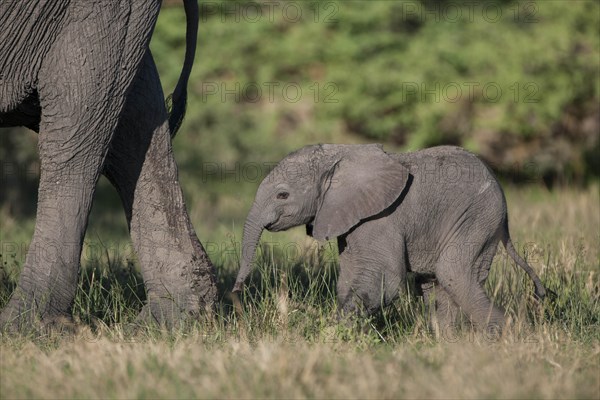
x,y
330,188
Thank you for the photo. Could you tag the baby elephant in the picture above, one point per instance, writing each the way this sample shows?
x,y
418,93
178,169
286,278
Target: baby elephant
x,y
438,213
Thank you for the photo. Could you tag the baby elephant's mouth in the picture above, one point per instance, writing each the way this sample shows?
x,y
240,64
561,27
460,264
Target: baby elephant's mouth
x,y
273,227
278,225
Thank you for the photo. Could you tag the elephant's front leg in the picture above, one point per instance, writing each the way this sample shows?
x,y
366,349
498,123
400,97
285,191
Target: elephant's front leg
x,y
178,275
371,274
76,80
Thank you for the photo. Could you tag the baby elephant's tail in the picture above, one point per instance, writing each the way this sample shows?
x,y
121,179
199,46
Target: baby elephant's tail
x,y
540,290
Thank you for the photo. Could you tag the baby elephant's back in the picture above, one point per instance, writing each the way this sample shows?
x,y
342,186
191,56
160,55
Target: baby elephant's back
x,y
453,196
446,166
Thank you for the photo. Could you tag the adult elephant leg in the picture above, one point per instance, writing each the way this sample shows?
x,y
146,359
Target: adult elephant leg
x,y
179,277
82,86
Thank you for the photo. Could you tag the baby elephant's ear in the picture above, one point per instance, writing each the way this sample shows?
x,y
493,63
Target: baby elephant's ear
x,y
363,183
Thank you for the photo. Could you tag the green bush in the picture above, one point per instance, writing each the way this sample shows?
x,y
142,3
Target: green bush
x,y
516,82
386,71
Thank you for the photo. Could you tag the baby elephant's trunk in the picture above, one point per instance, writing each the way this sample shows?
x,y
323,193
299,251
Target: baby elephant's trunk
x,y
252,231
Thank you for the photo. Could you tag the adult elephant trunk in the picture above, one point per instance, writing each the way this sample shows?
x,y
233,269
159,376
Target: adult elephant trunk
x,y
176,102
252,230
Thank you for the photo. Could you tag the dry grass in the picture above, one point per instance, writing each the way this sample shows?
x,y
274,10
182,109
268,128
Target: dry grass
x,y
285,345
543,366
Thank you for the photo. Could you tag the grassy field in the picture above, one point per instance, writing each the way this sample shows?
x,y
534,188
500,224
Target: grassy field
x,y
281,340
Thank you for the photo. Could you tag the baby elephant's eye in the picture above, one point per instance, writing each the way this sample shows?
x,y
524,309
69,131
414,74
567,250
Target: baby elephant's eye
x,y
282,195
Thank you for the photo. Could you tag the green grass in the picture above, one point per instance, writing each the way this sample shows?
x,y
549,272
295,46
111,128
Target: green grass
x,y
281,338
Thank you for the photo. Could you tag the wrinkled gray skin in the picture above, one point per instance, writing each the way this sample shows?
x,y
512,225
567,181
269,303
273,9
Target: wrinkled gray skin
x,y
438,213
81,74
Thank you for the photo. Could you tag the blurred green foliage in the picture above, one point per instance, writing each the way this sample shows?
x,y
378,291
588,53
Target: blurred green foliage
x,y
514,81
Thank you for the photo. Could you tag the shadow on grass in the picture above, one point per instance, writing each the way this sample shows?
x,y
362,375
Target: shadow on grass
x,y
302,295
112,292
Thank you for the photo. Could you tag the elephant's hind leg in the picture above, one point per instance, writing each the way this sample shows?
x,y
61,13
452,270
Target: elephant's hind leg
x,y
462,275
177,273
82,86
443,311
